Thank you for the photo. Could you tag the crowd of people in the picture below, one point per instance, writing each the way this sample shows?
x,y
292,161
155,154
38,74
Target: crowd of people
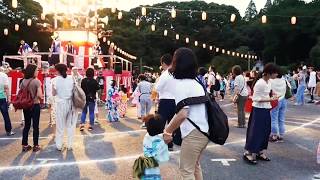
x,y
264,95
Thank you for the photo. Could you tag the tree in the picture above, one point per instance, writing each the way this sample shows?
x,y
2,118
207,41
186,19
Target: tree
x,y
251,11
266,6
315,54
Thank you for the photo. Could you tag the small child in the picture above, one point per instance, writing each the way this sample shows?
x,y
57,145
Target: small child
x,y
124,101
155,150
222,88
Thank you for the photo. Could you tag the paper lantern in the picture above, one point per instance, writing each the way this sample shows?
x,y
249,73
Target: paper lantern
x,y
187,40
217,49
153,27
115,47
43,16
112,44
113,10
165,33
137,22
249,56
16,27
44,25
245,56
223,51
119,15
264,19
233,18
293,20
238,54
102,26
204,46
233,53
177,36
6,32
173,13
29,22
241,55
228,52
204,16
14,3
195,43
144,11
118,49
104,39
210,47
108,42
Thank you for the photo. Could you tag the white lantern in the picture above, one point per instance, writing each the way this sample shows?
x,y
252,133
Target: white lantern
x,y
45,25
137,22
228,52
6,32
245,56
113,10
165,33
144,11
233,53
241,55
204,16
293,20
195,43
210,47
119,15
115,47
233,18
29,22
16,27
249,56
177,36
204,46
223,51
173,13
118,49
217,49
104,39
153,27
264,19
14,3
112,44
108,42
43,16
102,26
187,40
238,54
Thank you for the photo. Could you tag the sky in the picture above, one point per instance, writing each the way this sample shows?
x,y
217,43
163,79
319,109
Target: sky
x,y
128,4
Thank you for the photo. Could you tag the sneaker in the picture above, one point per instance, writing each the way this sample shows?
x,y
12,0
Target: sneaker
x,y
81,127
90,128
316,176
10,133
311,101
26,148
96,122
273,138
143,126
36,148
280,139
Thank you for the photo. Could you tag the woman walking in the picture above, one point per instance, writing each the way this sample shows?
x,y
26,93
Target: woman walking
x,y
66,115
31,82
112,104
301,86
90,87
259,126
124,101
145,89
184,70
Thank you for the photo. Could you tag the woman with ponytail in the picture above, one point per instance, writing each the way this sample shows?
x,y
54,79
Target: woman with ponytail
x,y
66,115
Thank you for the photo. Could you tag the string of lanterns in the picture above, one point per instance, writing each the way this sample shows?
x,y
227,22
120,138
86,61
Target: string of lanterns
x,y
119,50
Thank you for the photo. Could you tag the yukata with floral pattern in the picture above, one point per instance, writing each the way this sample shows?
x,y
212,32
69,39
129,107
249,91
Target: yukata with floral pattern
x,y
123,103
112,104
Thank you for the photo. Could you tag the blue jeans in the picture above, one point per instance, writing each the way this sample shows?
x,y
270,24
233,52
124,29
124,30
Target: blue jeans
x,y
278,117
300,94
146,105
5,114
91,106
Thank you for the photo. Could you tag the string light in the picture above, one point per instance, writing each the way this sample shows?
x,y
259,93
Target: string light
x,y
108,42
210,47
238,54
137,22
119,15
144,11
43,16
44,25
165,33
241,55
16,27
204,16
173,13
14,4
223,51
29,22
264,19
6,32
228,52
187,40
177,36
195,43
245,56
293,20
233,18
217,49
104,39
153,27
233,53
204,46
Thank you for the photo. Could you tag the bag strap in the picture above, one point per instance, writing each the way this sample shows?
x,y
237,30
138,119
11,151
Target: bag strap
x,y
191,101
244,84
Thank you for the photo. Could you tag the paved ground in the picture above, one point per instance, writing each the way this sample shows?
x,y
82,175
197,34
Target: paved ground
x,y
108,152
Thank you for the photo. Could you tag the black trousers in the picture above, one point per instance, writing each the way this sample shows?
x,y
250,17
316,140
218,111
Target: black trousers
x,y
34,116
5,114
166,110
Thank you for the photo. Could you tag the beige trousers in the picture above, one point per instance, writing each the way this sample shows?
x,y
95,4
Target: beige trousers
x,y
191,149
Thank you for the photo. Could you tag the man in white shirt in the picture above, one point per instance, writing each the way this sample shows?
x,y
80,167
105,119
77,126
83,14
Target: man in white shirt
x,y
5,101
167,105
212,81
312,83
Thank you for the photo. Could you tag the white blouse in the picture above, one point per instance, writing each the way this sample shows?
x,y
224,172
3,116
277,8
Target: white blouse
x,y
261,91
279,87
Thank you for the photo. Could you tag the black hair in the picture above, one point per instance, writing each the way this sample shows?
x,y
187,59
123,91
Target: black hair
x,y
123,88
29,71
154,124
202,71
166,59
62,69
236,70
270,69
259,76
90,73
184,65
142,77
113,83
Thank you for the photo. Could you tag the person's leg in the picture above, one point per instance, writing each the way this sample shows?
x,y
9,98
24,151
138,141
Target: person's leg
x,y
60,124
312,93
35,123
275,120
282,117
148,106
91,112
27,125
5,115
84,113
302,94
71,127
143,107
243,100
299,95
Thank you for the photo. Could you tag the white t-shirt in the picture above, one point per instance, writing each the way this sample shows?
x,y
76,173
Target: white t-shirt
x,y
163,85
312,79
279,87
241,84
261,91
4,80
182,89
63,87
211,79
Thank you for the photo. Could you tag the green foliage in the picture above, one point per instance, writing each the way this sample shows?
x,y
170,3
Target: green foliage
x,y
251,11
315,54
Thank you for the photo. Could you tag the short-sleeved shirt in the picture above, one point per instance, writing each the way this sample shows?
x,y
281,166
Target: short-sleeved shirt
x,y
313,79
241,85
302,78
4,81
33,88
63,87
101,80
90,88
185,88
145,88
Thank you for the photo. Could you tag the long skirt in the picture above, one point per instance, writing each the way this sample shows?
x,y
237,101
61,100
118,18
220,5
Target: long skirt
x,y
259,129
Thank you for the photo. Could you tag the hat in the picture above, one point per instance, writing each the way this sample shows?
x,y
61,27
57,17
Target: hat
x,y
35,43
304,67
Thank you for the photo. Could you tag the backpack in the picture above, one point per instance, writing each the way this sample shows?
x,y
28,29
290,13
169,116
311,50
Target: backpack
x,y
217,119
24,99
78,96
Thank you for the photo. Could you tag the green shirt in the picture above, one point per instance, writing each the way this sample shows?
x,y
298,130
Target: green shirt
x,y
4,80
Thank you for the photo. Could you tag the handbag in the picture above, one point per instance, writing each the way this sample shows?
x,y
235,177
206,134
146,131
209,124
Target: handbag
x,y
78,96
288,94
236,97
217,119
248,105
24,99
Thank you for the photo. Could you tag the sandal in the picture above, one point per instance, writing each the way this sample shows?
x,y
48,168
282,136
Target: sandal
x,y
36,148
249,161
26,148
81,127
263,157
90,128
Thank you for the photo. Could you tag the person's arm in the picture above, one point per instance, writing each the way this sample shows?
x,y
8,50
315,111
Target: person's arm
x,y
54,91
258,88
175,124
7,92
39,91
160,84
